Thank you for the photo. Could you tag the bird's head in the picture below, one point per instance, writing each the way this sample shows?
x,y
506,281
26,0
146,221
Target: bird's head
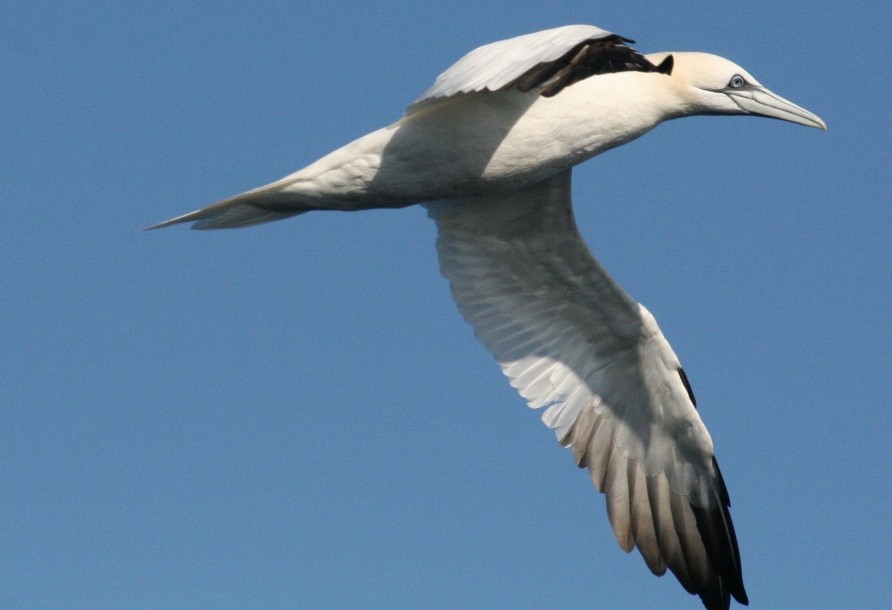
x,y
711,84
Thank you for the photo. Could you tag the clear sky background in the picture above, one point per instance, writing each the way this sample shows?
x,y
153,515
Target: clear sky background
x,y
295,415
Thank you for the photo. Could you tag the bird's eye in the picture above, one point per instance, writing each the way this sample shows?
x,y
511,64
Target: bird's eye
x,y
736,82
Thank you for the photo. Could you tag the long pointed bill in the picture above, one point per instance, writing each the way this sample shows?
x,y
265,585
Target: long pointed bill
x,y
762,102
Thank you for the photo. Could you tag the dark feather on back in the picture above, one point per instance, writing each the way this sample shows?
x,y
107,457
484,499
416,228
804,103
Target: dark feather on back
x,y
588,58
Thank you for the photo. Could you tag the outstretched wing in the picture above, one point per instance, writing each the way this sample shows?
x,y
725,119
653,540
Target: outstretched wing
x,y
570,339
550,59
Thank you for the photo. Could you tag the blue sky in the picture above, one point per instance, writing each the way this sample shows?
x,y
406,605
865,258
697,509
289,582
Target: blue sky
x,y
295,415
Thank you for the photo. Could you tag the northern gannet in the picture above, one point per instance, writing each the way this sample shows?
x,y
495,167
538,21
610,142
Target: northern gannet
x,y
488,150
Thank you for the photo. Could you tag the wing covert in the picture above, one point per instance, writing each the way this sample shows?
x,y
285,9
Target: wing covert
x,y
551,60
493,65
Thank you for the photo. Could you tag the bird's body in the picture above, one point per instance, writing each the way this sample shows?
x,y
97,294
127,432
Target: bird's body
x,y
467,145
489,150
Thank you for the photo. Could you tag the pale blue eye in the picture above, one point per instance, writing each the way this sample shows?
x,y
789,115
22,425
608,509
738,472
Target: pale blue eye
x,y
736,82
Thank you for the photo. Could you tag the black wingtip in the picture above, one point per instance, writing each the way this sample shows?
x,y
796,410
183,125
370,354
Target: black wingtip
x,y
666,65
720,540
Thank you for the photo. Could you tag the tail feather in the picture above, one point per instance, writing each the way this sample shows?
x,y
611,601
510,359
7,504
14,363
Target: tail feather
x,y
242,210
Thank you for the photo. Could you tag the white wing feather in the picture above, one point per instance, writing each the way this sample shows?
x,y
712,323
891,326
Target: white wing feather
x,y
570,339
490,67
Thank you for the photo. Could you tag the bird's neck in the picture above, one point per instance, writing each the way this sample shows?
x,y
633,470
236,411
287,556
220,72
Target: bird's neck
x,y
609,110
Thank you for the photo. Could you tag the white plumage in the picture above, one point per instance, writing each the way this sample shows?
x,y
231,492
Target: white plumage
x,y
489,150
492,66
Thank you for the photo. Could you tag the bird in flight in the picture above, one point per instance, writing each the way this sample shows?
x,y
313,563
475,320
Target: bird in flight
x,y
489,150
